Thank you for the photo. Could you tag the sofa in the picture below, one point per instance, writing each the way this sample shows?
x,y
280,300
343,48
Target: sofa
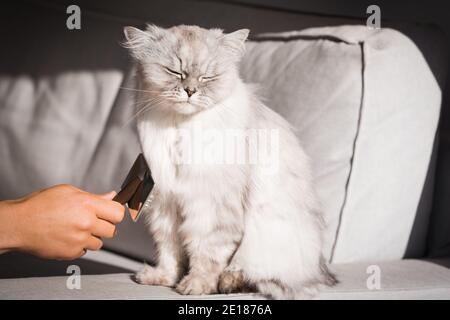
x,y
367,105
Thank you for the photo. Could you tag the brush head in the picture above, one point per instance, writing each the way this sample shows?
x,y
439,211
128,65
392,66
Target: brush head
x,y
136,187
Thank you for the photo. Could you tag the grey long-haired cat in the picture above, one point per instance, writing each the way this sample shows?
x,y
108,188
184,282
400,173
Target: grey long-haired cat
x,y
220,227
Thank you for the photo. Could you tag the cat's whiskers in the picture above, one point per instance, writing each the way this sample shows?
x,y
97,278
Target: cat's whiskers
x,y
204,102
140,112
138,90
170,95
144,106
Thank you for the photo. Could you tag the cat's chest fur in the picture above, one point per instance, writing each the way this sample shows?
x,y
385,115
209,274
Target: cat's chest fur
x,y
179,158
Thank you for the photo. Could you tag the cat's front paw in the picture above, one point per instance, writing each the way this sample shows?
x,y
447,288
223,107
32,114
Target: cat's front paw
x,y
154,276
195,284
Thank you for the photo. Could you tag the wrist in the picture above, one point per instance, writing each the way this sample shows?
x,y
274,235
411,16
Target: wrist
x,y
11,237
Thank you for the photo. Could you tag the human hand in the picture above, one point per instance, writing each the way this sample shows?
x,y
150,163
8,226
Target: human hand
x,y
62,222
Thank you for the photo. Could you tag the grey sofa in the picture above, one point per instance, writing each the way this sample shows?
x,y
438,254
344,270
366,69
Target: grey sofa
x,y
366,105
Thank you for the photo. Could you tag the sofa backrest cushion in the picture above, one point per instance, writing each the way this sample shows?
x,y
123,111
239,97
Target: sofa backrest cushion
x,y
366,106
364,103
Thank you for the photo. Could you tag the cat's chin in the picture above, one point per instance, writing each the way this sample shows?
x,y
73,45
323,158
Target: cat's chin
x,y
185,108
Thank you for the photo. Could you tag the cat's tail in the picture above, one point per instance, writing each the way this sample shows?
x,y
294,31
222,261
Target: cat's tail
x,y
273,289
278,290
235,279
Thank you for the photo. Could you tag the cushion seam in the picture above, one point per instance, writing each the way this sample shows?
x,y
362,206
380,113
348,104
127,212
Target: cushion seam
x,y
352,159
263,38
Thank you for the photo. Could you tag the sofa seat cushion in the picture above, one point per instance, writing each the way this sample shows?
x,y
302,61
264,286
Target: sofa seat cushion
x,y
402,279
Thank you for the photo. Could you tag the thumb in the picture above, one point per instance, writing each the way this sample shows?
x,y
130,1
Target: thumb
x,y
108,196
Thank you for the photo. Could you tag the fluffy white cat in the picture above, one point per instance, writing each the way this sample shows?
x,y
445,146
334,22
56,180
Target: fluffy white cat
x,y
220,226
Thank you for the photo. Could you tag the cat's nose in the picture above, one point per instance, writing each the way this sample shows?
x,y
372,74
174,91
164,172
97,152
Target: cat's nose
x,y
190,91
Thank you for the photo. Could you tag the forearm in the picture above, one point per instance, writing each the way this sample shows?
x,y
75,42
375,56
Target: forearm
x,y
9,233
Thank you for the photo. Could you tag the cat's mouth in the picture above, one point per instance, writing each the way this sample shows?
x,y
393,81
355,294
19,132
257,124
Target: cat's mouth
x,y
185,102
186,107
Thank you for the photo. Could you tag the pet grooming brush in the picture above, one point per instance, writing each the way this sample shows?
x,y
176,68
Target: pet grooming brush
x,y
136,188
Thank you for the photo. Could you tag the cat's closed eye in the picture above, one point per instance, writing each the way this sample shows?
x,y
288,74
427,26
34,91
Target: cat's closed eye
x,y
207,78
177,74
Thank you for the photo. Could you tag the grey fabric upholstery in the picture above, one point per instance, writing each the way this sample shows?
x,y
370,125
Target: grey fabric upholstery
x,y
354,114
404,279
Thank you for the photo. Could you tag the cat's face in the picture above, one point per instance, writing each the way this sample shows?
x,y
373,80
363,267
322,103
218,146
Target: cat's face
x,y
185,68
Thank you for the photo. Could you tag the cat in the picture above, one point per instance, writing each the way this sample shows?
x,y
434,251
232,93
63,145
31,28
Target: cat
x,y
220,227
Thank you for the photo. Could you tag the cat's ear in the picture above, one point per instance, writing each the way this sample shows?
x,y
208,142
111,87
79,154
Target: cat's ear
x,y
156,33
235,42
132,33
140,42
135,40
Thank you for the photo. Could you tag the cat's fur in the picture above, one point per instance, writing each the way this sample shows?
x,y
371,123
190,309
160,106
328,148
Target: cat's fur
x,y
220,227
